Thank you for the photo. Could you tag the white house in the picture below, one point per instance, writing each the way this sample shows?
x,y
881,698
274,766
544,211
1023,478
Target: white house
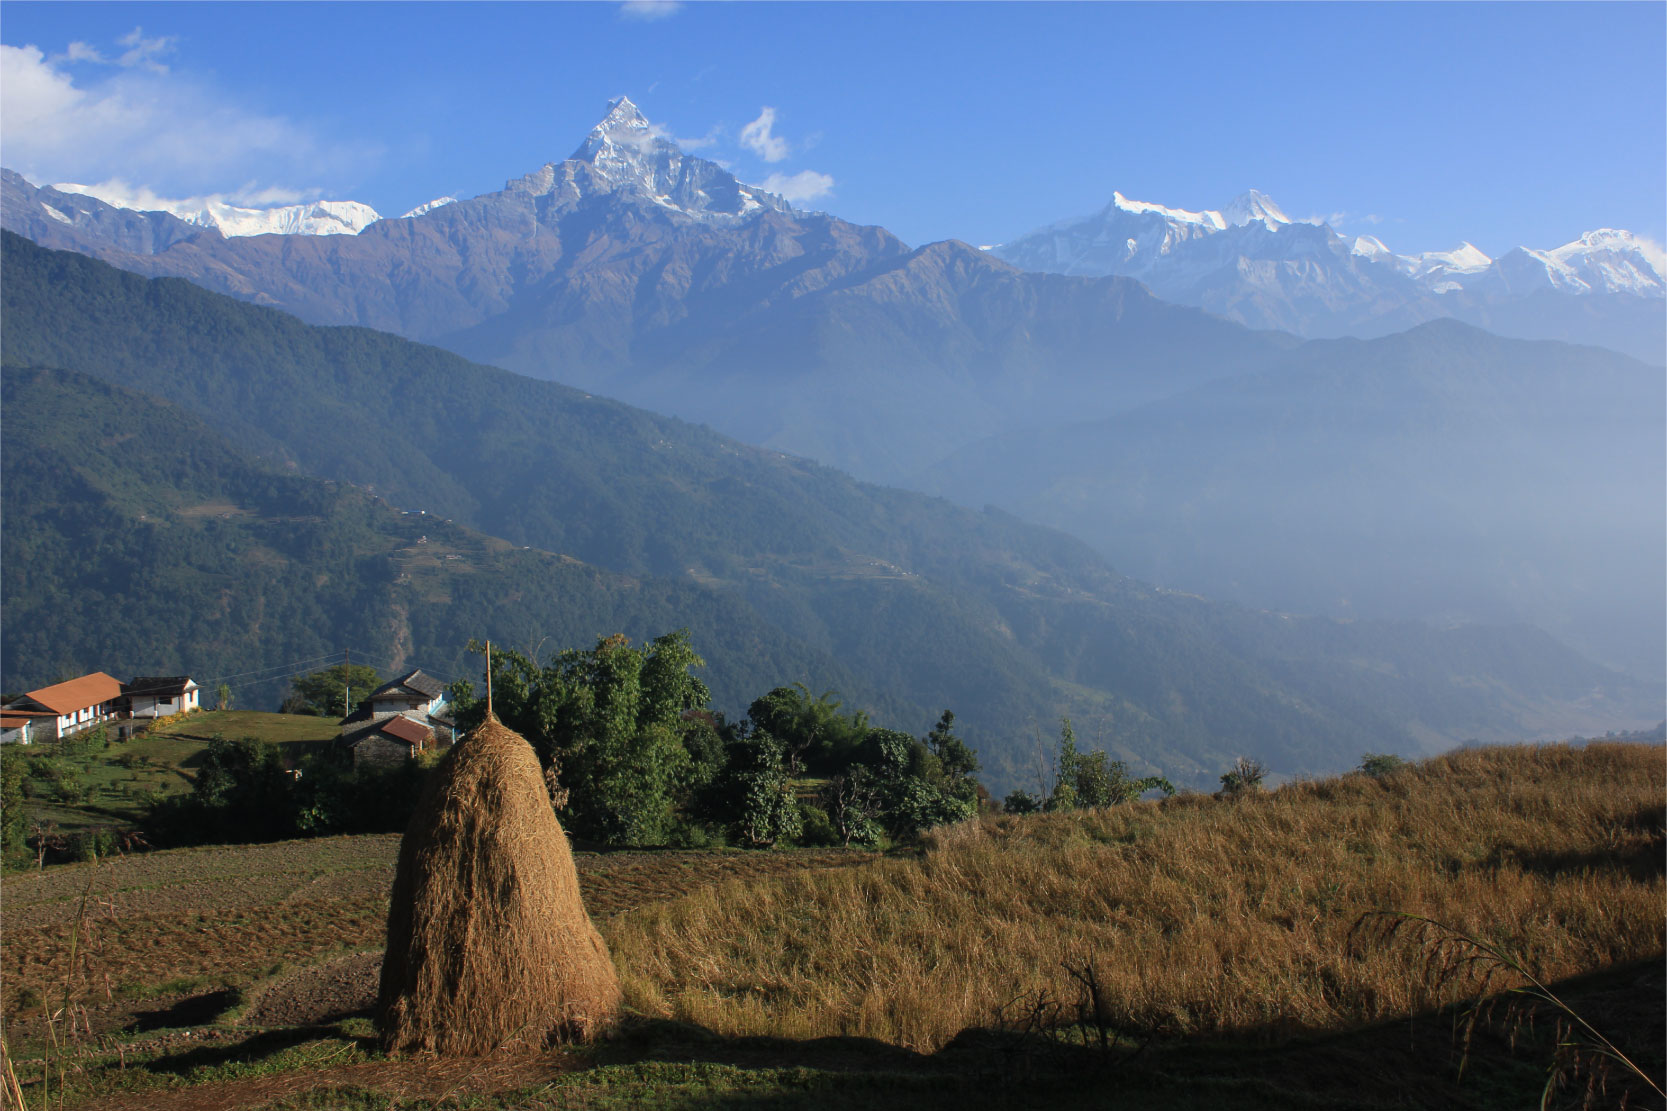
x,y
65,708
158,696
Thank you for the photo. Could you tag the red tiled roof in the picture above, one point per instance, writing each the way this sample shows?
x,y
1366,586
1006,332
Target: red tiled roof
x,y
77,694
403,728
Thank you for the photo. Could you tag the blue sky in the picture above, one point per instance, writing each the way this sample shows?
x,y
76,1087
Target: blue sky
x,y
1423,124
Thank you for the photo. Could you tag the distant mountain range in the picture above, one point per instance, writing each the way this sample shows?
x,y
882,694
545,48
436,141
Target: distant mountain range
x,y
636,271
1251,263
129,520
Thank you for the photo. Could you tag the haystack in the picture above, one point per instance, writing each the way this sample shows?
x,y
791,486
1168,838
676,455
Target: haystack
x,y
488,941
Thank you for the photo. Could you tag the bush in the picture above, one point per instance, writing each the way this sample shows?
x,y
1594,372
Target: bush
x,y
1245,777
1379,764
1020,802
814,826
90,844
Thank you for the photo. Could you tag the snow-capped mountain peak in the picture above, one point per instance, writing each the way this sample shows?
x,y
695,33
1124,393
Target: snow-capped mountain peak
x,y
1206,219
1254,206
622,146
429,206
625,152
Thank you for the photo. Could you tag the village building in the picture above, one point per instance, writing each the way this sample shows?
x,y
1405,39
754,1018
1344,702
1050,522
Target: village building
x,y
159,696
371,734
52,713
18,727
387,738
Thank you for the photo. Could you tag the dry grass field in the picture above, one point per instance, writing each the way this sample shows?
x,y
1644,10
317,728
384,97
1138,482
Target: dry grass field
x,y
1198,915
1222,937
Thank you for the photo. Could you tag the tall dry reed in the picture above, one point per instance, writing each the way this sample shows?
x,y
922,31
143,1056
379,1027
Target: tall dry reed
x,y
1199,914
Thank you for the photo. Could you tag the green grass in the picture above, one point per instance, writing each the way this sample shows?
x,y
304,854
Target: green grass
x,y
118,778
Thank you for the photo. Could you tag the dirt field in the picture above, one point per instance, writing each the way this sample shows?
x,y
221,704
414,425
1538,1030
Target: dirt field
x,y
179,936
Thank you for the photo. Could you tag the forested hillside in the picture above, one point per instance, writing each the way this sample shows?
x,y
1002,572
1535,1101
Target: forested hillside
x,y
904,602
138,540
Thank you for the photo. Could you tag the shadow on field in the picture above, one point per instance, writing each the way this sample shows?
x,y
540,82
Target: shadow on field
x,y
1643,857
195,1010
1400,1064
250,1050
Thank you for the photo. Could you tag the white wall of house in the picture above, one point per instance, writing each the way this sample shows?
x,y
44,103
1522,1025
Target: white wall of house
x,y
155,706
407,704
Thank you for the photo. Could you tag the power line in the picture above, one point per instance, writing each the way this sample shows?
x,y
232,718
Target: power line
x,y
279,668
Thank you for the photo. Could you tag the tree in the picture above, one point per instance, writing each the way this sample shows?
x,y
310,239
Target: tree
x,y
223,697
1092,779
1244,778
622,723
852,803
811,727
330,692
756,790
1020,802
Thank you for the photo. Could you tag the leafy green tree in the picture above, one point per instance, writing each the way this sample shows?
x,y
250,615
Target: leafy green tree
x,y
756,791
242,792
625,725
332,692
909,784
811,727
223,697
1093,779
852,804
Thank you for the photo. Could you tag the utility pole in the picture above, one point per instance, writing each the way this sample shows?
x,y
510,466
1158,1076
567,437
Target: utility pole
x,y
347,682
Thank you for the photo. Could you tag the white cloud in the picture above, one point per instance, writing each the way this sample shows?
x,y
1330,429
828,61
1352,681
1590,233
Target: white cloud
x,y
757,138
135,119
700,142
142,51
1338,219
123,194
647,11
806,185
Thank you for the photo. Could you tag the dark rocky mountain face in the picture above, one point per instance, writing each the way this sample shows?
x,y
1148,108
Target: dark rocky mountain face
x,y
633,270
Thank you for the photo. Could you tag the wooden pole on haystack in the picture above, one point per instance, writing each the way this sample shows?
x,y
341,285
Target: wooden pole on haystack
x,y
489,679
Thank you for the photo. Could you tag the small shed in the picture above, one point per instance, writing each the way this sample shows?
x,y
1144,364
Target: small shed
x,y
160,696
19,727
386,739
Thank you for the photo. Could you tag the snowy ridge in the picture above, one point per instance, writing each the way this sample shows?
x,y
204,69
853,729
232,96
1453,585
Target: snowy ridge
x,y
1167,248
316,218
430,206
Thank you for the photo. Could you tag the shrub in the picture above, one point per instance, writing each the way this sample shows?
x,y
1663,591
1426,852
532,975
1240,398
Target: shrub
x,y
1379,764
1021,802
1245,777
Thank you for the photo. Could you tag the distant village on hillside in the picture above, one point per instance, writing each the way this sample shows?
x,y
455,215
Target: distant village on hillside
x,y
402,717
